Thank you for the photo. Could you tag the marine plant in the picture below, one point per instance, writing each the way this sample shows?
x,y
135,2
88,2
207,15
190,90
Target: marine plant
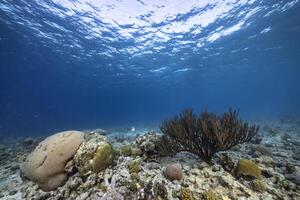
x,y
206,134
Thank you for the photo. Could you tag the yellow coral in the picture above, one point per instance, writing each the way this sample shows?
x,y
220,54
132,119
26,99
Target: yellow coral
x,y
134,167
103,157
126,150
133,185
248,169
209,195
186,194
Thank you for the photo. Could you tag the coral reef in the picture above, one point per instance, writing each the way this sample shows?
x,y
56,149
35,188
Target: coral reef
x,y
207,134
142,177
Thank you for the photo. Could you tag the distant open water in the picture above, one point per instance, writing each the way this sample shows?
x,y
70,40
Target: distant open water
x,y
76,64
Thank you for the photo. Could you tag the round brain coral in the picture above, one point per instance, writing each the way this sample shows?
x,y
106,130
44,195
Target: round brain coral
x,y
173,172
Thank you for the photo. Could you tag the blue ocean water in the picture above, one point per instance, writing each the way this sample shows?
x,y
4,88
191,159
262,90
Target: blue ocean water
x,y
76,64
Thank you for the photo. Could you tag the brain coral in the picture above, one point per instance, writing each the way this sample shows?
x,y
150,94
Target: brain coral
x,y
248,169
46,164
173,172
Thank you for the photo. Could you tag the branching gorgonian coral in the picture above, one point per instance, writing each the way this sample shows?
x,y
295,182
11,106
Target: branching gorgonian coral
x,y
206,134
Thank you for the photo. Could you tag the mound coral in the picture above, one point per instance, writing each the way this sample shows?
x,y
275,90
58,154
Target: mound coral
x,y
248,169
206,134
46,164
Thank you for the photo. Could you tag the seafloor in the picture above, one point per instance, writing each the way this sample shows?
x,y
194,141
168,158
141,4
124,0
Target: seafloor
x,y
276,152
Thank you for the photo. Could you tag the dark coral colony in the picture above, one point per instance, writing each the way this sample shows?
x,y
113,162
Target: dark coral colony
x,y
205,156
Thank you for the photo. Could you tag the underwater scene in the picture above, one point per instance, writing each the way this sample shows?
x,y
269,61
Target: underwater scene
x,y
149,99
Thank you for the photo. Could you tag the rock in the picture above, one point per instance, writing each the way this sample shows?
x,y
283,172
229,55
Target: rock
x,y
46,164
203,165
268,161
94,155
267,173
248,169
99,131
285,184
273,132
257,139
75,183
173,172
296,155
262,149
295,142
289,168
70,168
28,141
160,190
152,165
216,168
14,167
297,179
153,145
258,185
285,137
226,162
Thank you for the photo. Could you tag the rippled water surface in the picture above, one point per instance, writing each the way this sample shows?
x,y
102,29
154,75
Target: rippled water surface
x,y
90,63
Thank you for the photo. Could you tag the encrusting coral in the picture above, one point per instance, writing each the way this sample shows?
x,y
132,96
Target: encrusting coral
x,y
207,134
94,155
